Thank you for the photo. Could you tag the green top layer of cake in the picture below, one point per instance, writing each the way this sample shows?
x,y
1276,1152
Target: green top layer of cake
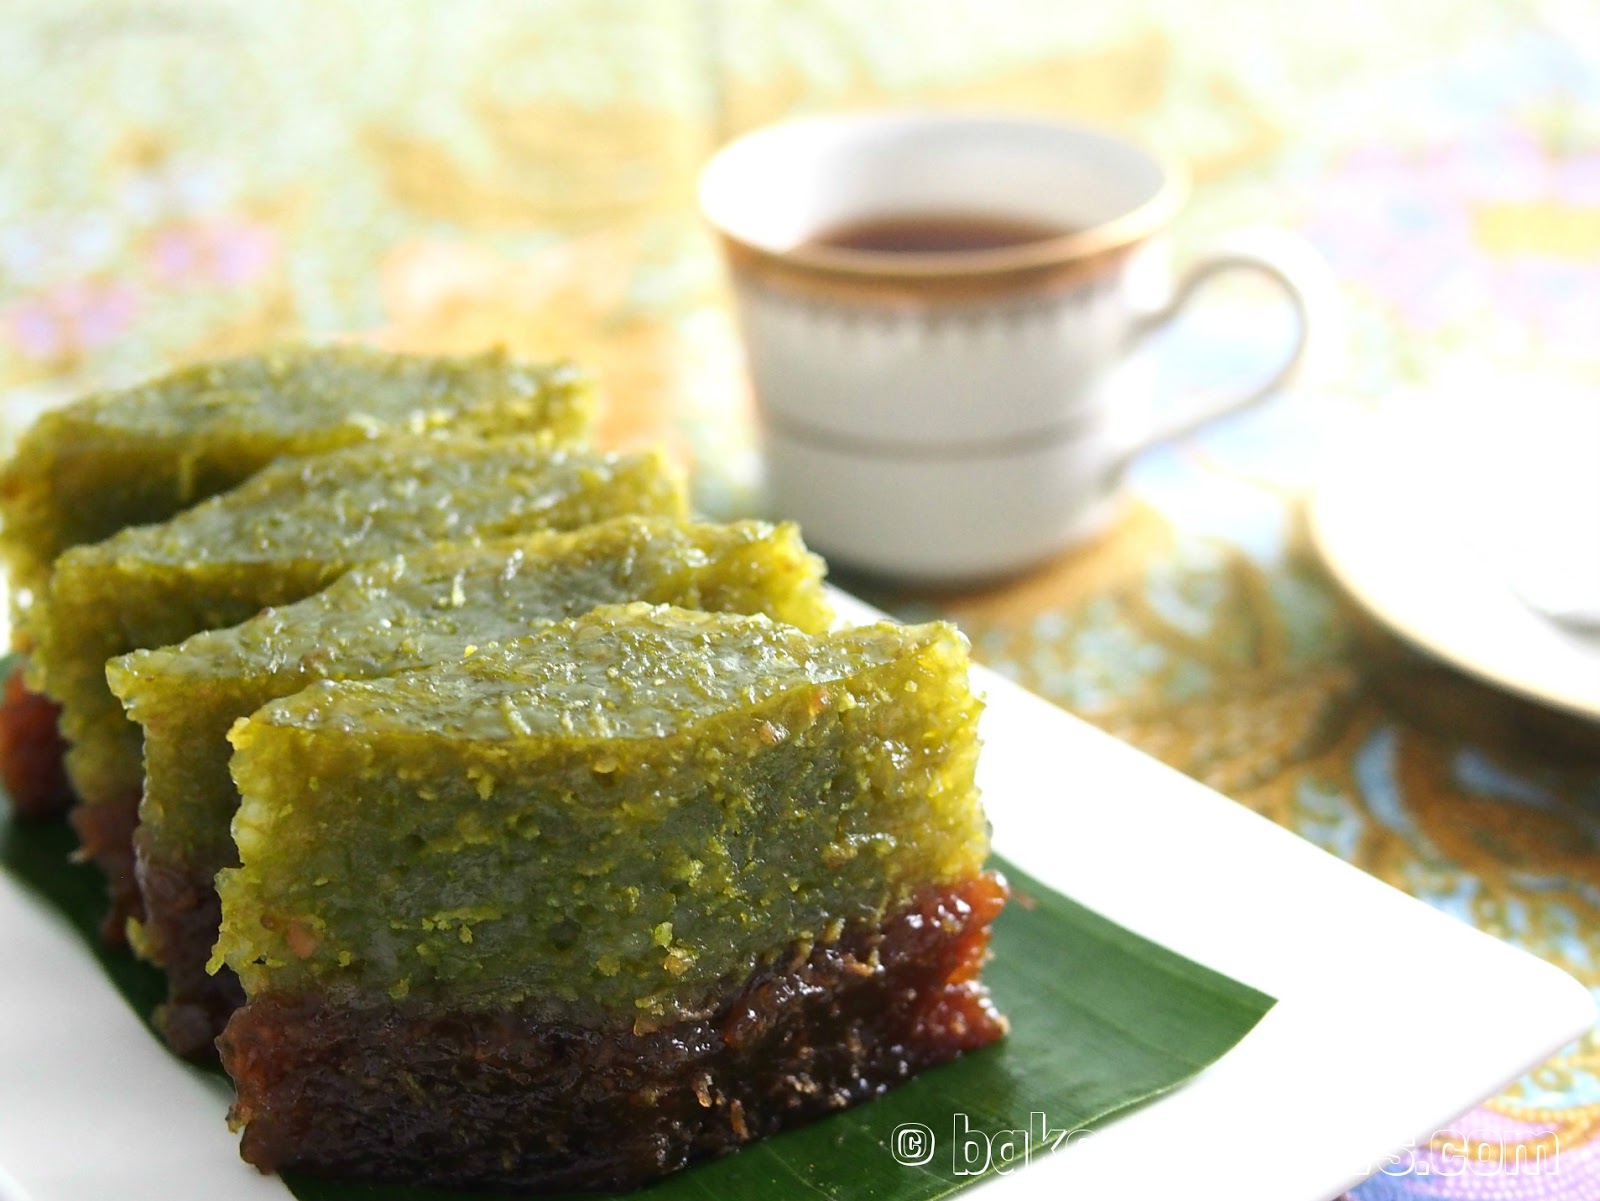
x,y
428,606
140,455
366,501
622,674
625,813
405,611
304,391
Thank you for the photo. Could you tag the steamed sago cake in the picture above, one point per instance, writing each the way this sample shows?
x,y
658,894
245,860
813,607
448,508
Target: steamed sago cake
x,y
577,910
426,607
287,532
142,454
138,455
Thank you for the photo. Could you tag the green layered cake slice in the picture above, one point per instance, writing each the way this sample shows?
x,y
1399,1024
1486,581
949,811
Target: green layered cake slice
x,y
140,455
289,531
577,910
424,608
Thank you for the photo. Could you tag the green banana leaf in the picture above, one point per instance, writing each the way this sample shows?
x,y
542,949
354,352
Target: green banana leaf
x,y
1101,1021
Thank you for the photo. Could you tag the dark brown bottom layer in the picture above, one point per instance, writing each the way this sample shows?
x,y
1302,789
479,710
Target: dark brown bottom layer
x,y
105,838
182,917
32,765
31,753
404,1092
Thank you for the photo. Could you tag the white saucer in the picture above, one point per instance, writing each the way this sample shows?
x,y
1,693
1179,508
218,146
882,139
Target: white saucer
x,y
1428,522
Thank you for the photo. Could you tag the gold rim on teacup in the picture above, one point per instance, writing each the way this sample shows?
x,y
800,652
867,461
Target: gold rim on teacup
x,y
810,268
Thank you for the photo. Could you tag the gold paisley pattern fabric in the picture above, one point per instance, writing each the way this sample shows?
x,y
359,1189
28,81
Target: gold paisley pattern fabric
x,y
183,180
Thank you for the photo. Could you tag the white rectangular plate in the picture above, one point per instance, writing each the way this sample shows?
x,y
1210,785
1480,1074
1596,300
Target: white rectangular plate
x,y
1375,1041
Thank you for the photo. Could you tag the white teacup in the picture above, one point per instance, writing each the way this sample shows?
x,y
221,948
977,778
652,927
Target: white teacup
x,y
955,414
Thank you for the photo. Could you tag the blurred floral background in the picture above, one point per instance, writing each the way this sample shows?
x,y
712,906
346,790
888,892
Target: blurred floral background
x,y
186,179
190,179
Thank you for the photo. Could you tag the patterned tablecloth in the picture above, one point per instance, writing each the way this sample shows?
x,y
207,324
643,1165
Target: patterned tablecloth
x,y
181,180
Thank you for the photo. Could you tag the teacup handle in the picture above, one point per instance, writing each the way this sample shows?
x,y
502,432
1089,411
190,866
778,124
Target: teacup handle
x,y
1307,283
